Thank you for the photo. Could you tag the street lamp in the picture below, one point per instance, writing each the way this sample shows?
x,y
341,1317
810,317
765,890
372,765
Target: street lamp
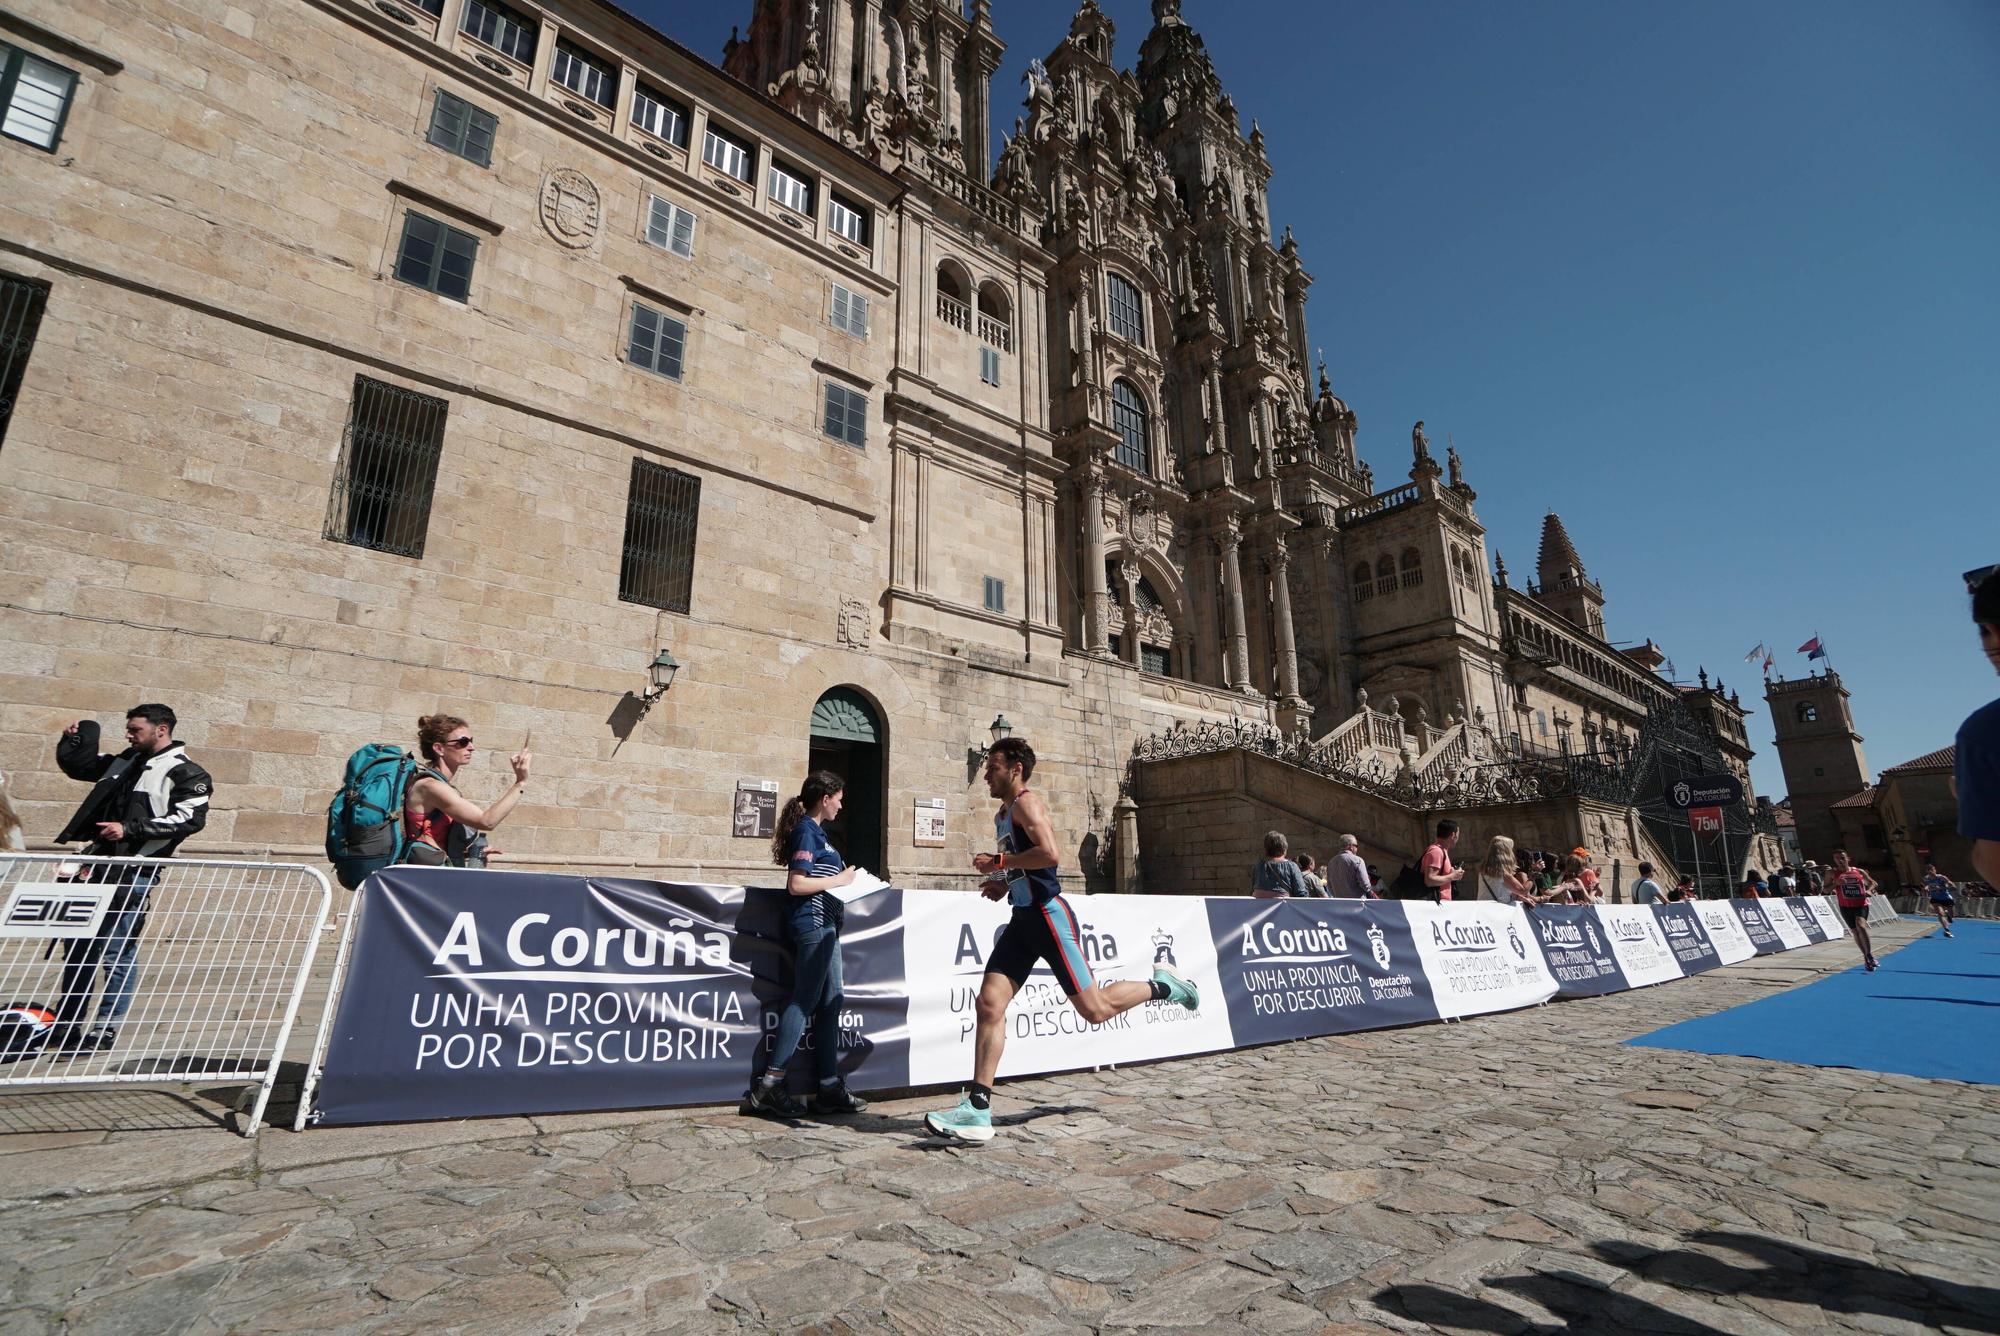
x,y
662,670
999,728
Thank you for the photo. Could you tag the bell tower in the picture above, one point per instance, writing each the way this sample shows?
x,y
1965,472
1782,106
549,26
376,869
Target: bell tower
x,y
1821,754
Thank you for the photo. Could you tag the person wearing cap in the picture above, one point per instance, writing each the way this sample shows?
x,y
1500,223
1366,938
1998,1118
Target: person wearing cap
x,y
1976,764
1810,880
1683,889
1589,872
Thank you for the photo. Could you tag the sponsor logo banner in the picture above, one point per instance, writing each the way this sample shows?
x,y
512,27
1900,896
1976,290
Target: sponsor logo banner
x,y
1295,968
475,993
949,936
47,910
1823,913
1790,931
1639,943
1478,957
1764,938
1688,938
1725,930
1577,949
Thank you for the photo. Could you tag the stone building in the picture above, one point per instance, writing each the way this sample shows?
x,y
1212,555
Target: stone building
x,y
376,357
1820,750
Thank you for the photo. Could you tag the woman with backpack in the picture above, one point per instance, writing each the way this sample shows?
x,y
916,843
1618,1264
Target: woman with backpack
x,y
443,826
813,868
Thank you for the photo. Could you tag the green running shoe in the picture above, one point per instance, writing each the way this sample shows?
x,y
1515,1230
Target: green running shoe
x,y
963,1123
1179,990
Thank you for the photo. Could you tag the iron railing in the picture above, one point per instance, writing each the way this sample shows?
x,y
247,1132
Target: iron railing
x,y
22,301
388,469
661,514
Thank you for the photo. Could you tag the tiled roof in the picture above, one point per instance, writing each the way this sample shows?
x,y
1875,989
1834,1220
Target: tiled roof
x,y
1941,759
1865,798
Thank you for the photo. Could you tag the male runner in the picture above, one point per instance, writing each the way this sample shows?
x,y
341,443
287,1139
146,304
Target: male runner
x,y
1851,888
1043,928
1943,895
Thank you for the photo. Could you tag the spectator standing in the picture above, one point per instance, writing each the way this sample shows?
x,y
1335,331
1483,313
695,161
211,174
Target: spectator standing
x,y
1500,880
1942,895
1646,891
1276,877
1977,764
1348,877
1589,873
1571,889
1782,882
1436,865
1851,888
144,803
13,840
1376,890
1810,882
1315,887
1542,866
444,826
1683,889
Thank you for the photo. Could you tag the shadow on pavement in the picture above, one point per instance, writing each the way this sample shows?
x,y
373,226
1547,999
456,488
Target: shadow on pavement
x,y
36,1111
1782,1271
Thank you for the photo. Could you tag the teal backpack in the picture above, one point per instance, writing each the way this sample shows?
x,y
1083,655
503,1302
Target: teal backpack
x,y
364,822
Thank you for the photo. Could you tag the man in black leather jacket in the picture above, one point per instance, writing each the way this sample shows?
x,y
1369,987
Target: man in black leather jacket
x,y
144,802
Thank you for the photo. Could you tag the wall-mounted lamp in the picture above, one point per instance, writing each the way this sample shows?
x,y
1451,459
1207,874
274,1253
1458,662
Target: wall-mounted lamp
x,y
662,669
975,757
999,728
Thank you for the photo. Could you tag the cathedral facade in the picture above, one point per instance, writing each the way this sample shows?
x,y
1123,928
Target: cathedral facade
x,y
706,423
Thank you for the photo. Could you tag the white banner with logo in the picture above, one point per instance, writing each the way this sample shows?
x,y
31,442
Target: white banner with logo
x,y
1725,930
1829,917
1639,944
1790,931
1478,956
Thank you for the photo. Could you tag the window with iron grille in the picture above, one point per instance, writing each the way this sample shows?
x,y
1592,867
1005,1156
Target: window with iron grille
x,y
583,74
727,154
36,95
1128,317
1145,597
1128,419
1385,576
22,301
657,114
790,188
661,513
656,341
989,365
1153,659
436,256
996,595
846,414
388,469
850,311
505,29
848,219
670,227
459,127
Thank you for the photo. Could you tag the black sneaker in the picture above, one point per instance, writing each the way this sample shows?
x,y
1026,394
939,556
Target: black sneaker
x,y
99,1040
770,1101
837,1099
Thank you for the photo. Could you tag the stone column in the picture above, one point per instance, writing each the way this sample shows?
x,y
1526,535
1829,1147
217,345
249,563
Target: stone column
x,y
1090,490
1227,543
1280,562
1128,600
1125,845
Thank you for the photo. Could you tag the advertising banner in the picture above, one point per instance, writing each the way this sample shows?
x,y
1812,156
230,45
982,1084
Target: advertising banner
x,y
1823,913
1790,931
1757,927
1687,938
1577,952
1295,968
1478,957
948,937
1640,944
474,993
1724,928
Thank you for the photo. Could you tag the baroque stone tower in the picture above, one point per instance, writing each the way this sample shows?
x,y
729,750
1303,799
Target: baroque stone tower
x,y
1821,754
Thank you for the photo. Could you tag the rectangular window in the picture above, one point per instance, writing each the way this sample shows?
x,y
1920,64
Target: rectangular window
x,y
790,189
656,341
657,114
850,311
1153,659
989,365
848,219
584,74
434,8
22,301
36,95
388,469
846,414
1128,318
661,510
459,127
670,227
996,595
505,29
436,256
726,154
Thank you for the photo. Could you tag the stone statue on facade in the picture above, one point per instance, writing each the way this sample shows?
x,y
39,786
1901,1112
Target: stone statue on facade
x,y
1452,464
1420,444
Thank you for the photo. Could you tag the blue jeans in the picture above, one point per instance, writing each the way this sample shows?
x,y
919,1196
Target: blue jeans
x,y
816,991
116,947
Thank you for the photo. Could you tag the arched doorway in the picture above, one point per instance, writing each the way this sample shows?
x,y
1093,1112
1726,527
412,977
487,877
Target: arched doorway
x,y
847,738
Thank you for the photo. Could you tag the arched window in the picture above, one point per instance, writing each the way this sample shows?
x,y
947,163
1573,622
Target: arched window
x,y
954,295
1364,582
1146,597
1128,316
1128,419
1413,568
996,324
1807,712
1385,575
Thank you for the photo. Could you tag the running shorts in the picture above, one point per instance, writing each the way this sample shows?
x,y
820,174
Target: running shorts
x,y
1854,914
1045,932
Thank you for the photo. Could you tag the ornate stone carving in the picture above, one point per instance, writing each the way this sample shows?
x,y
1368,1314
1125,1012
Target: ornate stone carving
x,y
572,209
854,630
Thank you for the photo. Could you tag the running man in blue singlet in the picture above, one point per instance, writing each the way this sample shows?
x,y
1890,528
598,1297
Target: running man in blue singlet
x,y
1023,870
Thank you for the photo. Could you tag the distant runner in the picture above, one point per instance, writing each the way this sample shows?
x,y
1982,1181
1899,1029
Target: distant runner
x,y
1043,928
1852,887
1943,893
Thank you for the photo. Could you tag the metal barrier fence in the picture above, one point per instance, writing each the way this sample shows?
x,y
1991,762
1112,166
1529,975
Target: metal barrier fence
x,y
143,971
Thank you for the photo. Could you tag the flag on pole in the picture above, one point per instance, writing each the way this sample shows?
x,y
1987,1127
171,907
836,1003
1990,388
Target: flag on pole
x,y
1770,662
1812,649
1756,653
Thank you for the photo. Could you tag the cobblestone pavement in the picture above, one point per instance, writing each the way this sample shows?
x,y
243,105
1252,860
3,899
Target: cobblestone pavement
x,y
1514,1173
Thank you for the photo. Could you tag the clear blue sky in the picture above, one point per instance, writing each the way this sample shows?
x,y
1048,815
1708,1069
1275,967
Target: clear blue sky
x,y
1719,282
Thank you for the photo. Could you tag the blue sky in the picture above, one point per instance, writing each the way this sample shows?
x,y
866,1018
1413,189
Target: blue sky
x,y
1718,282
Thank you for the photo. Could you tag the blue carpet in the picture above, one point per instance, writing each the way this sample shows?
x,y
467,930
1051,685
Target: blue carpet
x,y
1932,1009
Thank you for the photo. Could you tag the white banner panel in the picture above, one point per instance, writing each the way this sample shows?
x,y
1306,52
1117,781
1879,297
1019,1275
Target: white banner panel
x,y
1639,945
948,936
1725,930
1478,956
1829,917
1788,929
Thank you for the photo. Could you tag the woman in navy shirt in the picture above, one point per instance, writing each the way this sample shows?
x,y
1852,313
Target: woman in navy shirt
x,y
813,868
